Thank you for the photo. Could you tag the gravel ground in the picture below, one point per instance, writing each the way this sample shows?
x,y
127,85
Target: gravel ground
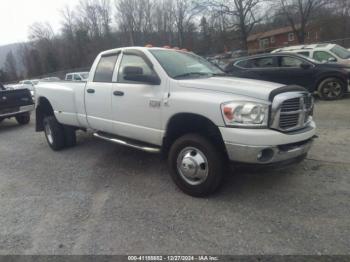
x,y
100,198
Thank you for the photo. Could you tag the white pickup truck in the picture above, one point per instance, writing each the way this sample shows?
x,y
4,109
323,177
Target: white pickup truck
x,y
176,103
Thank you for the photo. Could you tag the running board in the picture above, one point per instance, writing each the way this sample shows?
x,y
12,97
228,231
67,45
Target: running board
x,y
129,143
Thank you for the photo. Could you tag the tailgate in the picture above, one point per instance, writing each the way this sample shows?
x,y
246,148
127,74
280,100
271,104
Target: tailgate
x,y
15,98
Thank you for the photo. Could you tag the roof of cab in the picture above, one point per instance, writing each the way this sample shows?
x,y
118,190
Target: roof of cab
x,y
136,48
304,47
267,55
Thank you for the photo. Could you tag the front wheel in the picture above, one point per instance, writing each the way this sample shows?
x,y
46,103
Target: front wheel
x,y
196,165
23,119
331,89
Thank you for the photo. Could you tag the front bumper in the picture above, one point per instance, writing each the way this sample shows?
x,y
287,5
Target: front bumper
x,y
22,109
266,146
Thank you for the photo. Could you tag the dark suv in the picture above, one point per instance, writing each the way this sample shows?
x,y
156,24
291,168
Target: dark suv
x,y
16,103
329,80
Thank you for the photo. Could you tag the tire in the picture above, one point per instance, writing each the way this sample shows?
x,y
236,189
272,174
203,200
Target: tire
x,y
195,150
331,89
23,119
54,133
70,138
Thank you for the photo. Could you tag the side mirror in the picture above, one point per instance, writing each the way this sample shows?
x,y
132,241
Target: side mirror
x,y
332,60
135,73
305,66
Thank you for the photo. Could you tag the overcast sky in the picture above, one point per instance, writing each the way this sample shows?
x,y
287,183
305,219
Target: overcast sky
x,y
17,15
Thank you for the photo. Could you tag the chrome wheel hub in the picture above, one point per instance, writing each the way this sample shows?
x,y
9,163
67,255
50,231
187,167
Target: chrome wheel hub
x,y
48,133
192,166
333,89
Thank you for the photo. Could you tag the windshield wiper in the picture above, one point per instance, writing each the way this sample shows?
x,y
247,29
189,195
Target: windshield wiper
x,y
192,74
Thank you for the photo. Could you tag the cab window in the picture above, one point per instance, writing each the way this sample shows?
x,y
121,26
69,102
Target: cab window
x,y
287,61
69,77
77,78
323,56
265,62
244,64
131,60
105,68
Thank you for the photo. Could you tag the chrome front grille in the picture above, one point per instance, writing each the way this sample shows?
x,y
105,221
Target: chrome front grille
x,y
289,121
291,111
291,105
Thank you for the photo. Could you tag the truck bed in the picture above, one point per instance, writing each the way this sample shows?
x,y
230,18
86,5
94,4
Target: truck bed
x,y
66,97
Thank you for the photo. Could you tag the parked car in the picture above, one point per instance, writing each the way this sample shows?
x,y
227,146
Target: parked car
x,y
178,103
77,76
27,84
16,103
218,62
51,79
24,84
320,52
329,80
239,53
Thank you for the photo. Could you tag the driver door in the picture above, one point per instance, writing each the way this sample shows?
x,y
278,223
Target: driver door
x,y
137,105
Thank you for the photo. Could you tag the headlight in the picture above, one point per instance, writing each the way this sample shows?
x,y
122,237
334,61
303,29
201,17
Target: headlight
x,y
245,114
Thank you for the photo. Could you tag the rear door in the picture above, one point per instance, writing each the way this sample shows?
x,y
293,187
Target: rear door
x,y
293,71
98,94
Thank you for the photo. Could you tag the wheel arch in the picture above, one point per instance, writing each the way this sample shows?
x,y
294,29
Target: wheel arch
x,y
43,109
333,75
185,123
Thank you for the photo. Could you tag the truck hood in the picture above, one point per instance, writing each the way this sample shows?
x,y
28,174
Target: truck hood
x,y
246,87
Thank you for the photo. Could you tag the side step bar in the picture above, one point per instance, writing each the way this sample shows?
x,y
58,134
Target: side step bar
x,y
129,143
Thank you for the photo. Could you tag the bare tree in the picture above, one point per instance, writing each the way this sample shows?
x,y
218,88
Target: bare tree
x,y
184,12
41,31
96,17
104,9
44,41
11,66
68,21
243,15
342,8
126,17
3,76
164,20
299,13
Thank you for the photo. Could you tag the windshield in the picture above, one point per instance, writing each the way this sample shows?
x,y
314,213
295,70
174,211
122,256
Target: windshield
x,y
311,60
180,64
341,52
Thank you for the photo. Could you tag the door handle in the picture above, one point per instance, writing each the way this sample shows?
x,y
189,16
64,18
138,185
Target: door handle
x,y
118,93
90,91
